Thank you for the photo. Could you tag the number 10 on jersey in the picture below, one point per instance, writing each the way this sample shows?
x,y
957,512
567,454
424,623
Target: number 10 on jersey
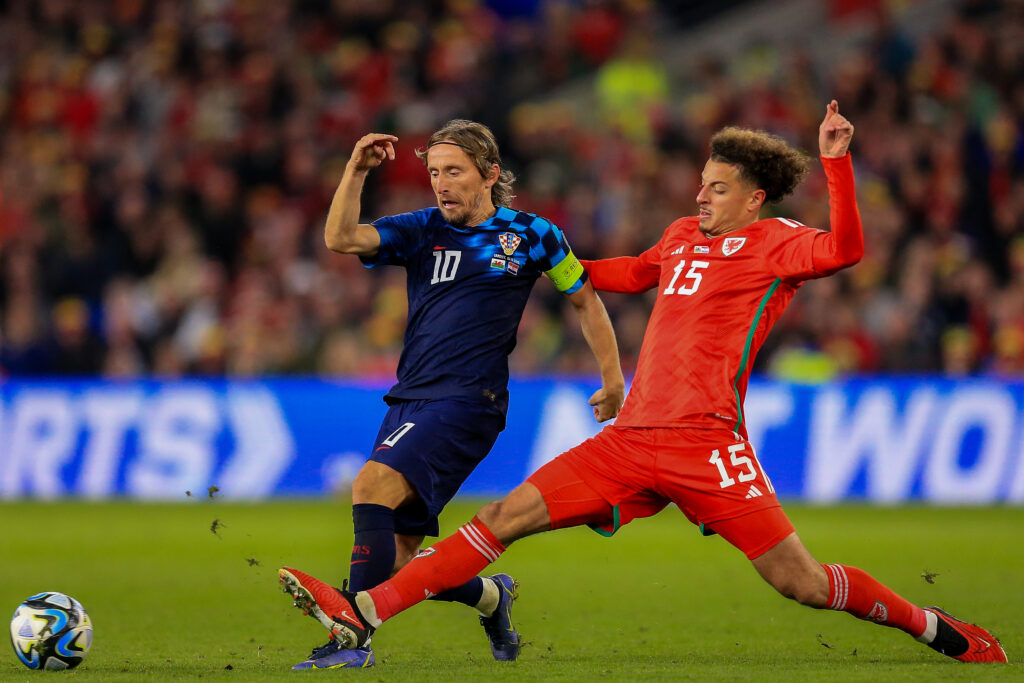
x,y
446,264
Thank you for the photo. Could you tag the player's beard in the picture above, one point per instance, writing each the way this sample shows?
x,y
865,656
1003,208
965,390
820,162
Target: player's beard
x,y
459,217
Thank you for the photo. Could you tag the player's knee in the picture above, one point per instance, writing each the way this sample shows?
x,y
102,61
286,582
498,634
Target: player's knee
x,y
380,486
492,515
364,486
519,514
502,520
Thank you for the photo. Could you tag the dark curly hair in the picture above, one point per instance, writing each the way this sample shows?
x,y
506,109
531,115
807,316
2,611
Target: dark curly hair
x,y
764,160
478,141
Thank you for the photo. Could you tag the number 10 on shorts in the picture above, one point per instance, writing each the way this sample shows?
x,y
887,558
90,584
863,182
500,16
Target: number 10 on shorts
x,y
397,434
743,466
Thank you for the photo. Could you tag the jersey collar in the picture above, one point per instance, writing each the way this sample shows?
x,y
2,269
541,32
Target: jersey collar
x,y
503,213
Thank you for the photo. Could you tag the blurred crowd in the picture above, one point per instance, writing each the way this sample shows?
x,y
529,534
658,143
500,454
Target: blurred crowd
x,y
165,169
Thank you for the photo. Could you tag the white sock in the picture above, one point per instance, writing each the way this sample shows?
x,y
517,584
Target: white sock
x,y
931,629
367,609
489,598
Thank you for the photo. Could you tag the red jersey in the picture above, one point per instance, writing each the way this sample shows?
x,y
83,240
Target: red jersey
x,y
718,297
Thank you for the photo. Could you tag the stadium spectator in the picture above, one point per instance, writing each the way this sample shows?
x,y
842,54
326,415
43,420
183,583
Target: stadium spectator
x,y
124,126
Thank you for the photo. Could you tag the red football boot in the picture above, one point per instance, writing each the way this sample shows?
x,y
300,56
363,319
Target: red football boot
x,y
963,641
334,608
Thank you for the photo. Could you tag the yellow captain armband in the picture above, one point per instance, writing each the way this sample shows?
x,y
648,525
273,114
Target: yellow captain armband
x,y
566,273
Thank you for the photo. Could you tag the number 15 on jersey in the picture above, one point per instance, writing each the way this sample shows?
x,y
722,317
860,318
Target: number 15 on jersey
x,y
691,281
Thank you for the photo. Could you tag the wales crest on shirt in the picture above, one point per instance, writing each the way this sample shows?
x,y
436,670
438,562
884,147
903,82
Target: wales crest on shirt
x,y
732,244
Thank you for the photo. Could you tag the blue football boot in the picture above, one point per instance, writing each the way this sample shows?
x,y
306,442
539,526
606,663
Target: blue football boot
x,y
500,632
333,656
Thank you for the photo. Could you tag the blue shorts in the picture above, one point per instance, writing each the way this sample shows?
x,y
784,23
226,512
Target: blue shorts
x,y
435,444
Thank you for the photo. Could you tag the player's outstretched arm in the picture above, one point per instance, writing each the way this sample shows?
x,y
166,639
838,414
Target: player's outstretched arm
x,y
598,331
844,245
626,274
343,232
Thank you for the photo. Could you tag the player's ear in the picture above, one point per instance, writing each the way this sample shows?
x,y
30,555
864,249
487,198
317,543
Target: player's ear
x,y
492,175
757,200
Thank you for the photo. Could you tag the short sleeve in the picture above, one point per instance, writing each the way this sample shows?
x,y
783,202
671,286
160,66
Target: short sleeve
x,y
400,236
552,254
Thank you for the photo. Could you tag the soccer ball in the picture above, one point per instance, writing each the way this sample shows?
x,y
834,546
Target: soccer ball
x,y
51,631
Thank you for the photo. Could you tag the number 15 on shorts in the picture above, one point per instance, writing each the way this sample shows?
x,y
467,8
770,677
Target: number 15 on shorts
x,y
744,467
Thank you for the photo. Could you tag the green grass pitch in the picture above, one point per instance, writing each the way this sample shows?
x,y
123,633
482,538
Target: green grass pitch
x,y
172,597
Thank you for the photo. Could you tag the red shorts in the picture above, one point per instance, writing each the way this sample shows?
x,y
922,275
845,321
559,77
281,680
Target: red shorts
x,y
626,473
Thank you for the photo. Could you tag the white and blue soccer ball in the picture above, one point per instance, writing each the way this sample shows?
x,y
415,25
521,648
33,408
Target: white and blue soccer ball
x,y
51,631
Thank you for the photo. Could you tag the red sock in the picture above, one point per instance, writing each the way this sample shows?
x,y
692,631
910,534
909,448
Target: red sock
x,y
855,591
449,563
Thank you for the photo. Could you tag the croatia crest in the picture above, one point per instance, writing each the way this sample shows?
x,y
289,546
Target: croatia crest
x,y
732,244
509,242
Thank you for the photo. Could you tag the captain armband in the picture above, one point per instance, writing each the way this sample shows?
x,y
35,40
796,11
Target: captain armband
x,y
567,273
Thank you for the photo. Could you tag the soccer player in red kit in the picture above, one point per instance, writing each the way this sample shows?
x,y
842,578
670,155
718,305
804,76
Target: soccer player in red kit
x,y
723,278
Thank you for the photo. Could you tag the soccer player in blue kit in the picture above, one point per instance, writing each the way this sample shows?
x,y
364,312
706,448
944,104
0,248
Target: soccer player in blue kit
x,y
471,261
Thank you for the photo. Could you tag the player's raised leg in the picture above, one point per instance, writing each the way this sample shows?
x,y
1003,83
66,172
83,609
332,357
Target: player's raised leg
x,y
448,563
554,497
353,617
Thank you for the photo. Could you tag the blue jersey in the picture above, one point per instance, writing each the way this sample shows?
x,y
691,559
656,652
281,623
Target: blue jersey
x,y
467,289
